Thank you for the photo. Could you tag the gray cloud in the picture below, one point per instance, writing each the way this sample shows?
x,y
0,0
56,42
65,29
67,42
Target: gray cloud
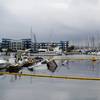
x,y
63,19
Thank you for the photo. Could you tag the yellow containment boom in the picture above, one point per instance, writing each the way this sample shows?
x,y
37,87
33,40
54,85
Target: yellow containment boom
x,y
53,76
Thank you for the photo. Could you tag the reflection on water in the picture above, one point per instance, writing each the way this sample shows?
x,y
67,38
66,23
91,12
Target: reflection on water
x,y
24,88
77,68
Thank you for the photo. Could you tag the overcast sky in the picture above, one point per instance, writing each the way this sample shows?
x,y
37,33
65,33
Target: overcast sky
x,y
51,20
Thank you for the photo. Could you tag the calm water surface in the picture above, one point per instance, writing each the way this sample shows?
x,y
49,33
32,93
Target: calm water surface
x,y
25,88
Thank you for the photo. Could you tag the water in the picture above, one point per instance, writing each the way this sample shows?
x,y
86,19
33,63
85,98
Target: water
x,y
24,88
80,68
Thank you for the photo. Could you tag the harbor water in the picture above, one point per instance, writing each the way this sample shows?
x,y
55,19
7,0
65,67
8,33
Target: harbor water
x,y
33,88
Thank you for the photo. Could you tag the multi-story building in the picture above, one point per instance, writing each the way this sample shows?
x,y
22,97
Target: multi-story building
x,y
6,43
16,44
50,45
46,45
27,43
64,45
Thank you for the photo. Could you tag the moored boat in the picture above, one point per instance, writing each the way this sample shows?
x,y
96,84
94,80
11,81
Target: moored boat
x,y
3,64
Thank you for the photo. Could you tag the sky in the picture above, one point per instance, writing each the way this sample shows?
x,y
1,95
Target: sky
x,y
51,20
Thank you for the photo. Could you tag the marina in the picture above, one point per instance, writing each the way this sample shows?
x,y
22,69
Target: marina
x,y
49,50
54,84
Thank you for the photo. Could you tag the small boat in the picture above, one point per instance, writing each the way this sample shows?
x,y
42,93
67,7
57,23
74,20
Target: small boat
x,y
3,64
98,53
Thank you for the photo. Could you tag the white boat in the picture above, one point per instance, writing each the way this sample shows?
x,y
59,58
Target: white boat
x,y
98,53
3,64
